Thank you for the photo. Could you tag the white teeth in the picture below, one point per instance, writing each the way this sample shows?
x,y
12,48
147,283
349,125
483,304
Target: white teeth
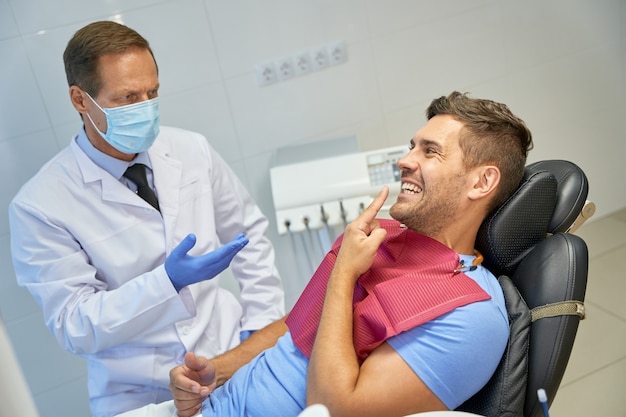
x,y
410,188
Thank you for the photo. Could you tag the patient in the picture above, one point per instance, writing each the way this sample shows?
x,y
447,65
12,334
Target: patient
x,y
400,316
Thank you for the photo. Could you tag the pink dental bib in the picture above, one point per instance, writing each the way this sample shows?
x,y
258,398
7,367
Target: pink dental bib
x,y
412,281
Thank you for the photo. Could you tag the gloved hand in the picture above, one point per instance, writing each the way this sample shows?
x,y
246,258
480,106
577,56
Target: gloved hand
x,y
184,269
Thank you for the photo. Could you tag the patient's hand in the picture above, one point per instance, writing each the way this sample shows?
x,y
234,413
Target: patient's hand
x,y
191,383
361,241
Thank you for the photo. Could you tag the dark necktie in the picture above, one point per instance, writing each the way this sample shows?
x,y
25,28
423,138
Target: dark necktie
x,y
137,174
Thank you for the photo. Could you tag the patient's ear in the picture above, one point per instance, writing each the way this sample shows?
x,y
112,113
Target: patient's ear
x,y
485,181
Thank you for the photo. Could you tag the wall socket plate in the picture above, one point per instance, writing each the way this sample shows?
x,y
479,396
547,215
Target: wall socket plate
x,y
284,68
265,73
319,57
337,53
301,62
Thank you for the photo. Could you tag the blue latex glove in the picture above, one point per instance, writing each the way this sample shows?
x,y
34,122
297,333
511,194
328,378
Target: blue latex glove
x,y
244,334
184,269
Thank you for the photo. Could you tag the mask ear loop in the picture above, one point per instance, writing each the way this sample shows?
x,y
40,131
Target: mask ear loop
x,y
95,102
91,120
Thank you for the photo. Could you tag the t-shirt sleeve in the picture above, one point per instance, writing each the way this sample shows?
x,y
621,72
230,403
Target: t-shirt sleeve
x,y
456,354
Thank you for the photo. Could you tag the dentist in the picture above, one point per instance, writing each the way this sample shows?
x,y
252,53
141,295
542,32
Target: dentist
x,y
121,236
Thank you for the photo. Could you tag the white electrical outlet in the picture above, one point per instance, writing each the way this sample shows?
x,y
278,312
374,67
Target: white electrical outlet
x,y
337,53
319,57
284,68
302,63
265,73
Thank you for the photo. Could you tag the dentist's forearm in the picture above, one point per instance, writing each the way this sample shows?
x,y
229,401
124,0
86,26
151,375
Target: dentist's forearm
x,y
228,363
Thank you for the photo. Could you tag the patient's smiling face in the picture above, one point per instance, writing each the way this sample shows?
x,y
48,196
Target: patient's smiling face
x,y
434,179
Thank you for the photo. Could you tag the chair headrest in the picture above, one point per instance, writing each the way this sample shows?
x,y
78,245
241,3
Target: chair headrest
x,y
550,196
571,195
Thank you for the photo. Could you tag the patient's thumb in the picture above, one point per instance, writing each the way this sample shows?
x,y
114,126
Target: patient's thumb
x,y
195,363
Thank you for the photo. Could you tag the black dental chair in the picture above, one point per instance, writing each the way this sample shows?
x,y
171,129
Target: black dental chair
x,y
527,242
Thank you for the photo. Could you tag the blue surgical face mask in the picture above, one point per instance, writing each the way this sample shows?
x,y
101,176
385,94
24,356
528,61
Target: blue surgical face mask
x,y
132,128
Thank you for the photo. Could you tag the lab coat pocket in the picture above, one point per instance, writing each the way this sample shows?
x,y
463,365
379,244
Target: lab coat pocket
x,y
195,212
193,190
123,365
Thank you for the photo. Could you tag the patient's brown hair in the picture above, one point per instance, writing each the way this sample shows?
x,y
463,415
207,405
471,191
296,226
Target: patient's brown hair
x,y
492,135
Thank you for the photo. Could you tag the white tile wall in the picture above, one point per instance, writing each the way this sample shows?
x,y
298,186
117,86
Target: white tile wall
x,y
8,27
540,31
302,107
389,16
216,122
21,98
559,64
45,63
20,157
35,15
247,32
407,61
15,301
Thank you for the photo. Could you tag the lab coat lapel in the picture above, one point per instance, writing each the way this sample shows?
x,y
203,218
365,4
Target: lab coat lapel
x,y
167,174
111,188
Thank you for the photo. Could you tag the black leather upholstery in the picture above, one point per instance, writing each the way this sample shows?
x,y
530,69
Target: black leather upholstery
x,y
571,195
524,239
505,394
555,271
512,230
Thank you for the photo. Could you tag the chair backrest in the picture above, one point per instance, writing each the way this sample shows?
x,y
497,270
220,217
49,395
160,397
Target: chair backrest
x,y
526,239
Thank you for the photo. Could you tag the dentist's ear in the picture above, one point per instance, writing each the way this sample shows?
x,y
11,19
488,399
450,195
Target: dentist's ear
x,y
78,99
485,182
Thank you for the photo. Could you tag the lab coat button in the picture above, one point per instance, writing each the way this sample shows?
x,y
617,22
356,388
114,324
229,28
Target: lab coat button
x,y
186,330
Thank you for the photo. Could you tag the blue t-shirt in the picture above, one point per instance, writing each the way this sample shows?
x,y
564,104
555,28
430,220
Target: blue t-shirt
x,y
455,355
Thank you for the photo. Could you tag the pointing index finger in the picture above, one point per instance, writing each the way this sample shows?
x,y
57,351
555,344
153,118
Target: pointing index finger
x,y
372,210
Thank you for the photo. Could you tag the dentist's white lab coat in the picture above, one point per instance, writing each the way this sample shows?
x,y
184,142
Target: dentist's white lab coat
x,y
91,252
